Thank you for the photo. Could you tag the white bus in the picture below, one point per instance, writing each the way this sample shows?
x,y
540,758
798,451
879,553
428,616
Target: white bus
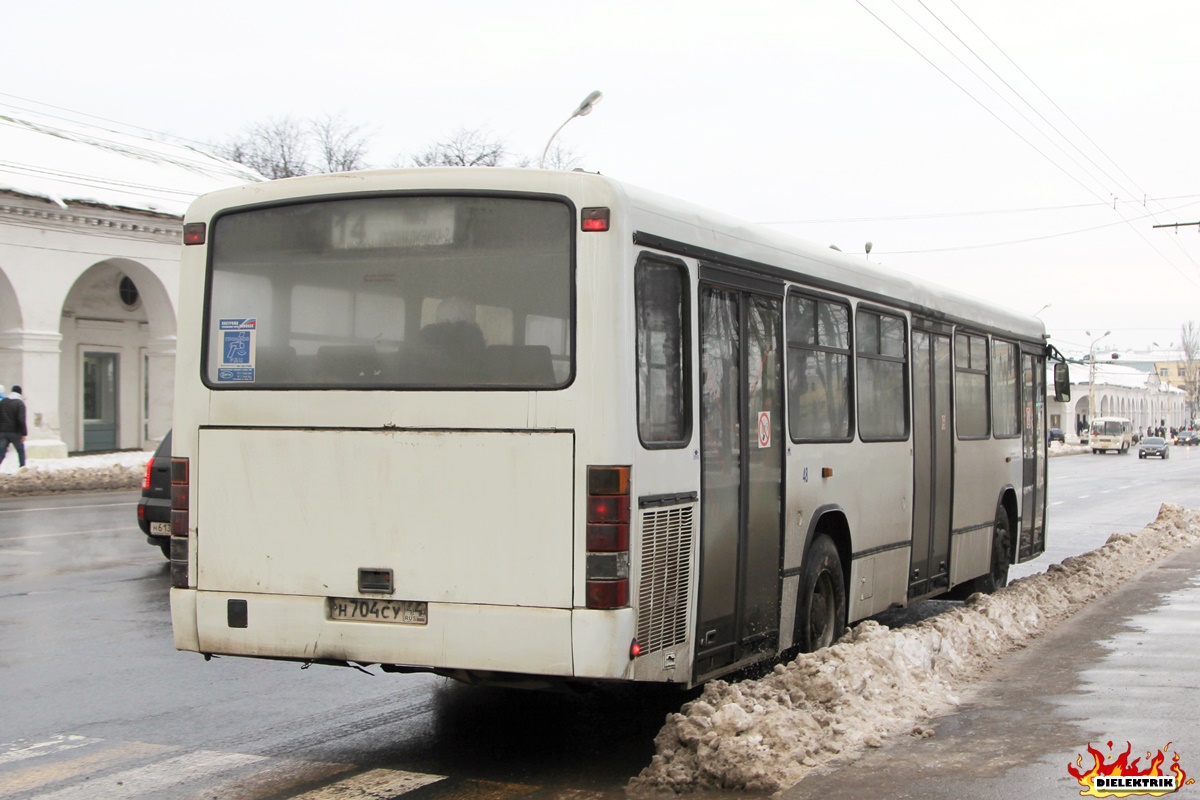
x,y
522,425
1111,433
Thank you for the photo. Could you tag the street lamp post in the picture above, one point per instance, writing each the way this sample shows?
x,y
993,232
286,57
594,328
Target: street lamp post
x,y
584,109
1092,380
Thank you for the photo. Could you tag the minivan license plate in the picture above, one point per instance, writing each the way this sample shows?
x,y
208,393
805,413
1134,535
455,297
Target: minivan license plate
x,y
362,609
160,527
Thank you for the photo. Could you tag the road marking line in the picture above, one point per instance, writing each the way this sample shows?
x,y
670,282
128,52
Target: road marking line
x,y
153,779
374,783
279,778
64,508
18,536
494,790
40,774
55,744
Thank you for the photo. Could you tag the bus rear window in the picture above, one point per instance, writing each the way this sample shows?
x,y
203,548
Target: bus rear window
x,y
411,292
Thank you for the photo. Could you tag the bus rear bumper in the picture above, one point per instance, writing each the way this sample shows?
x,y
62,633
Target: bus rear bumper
x,y
183,619
535,641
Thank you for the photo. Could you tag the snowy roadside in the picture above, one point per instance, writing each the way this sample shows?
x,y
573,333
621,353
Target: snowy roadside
x,y
124,470
767,734
1057,449
106,472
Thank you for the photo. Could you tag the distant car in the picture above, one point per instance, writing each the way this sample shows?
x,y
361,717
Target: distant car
x,y
154,506
1057,435
1154,446
1187,438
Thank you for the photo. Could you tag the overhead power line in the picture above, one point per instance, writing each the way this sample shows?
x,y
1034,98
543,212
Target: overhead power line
x,y
980,213
1013,130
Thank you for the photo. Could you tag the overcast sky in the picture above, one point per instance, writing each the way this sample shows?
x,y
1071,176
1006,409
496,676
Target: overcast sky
x,y
836,120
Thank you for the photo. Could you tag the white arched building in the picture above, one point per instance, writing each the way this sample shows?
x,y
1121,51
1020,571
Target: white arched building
x,y
1118,391
90,233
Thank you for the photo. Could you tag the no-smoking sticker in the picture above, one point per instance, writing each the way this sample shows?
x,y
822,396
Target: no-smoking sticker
x,y
764,429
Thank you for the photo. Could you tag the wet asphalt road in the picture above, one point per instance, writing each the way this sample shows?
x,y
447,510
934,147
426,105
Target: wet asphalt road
x,y
87,652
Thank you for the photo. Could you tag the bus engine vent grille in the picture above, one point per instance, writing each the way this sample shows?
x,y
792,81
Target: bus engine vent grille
x,y
666,574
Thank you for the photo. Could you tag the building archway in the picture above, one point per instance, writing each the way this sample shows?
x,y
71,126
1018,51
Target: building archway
x,y
116,381
11,325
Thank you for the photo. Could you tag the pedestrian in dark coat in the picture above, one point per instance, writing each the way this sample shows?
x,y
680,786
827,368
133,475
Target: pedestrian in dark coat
x,y
12,424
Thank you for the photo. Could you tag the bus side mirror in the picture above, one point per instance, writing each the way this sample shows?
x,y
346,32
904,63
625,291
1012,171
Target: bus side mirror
x,y
1062,382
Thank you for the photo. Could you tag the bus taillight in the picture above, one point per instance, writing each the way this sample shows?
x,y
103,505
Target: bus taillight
x,y
608,537
194,232
594,219
179,522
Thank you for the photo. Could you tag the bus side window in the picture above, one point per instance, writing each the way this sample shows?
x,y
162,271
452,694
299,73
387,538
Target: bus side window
x,y
664,401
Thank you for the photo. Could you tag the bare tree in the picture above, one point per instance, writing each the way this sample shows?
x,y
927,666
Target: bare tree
x,y
466,147
285,147
276,148
1189,343
341,147
561,157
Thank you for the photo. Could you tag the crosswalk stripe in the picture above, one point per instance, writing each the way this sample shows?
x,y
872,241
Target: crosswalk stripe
x,y
154,778
375,783
477,789
55,744
230,776
279,778
104,756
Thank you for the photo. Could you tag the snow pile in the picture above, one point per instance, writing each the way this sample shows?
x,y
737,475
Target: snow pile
x,y
765,735
1059,449
79,474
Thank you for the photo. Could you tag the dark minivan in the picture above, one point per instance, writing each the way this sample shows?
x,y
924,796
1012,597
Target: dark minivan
x,y
154,506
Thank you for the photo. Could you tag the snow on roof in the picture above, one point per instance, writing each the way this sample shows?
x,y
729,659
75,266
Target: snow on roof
x,y
66,161
1110,374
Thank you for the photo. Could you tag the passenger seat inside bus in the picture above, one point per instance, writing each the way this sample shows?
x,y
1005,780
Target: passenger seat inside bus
x,y
348,364
276,364
522,365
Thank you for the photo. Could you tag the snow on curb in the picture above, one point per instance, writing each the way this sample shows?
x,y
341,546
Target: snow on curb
x,y
765,735
80,474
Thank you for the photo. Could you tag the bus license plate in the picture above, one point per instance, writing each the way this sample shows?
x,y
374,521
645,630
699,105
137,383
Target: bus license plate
x,y
160,527
360,609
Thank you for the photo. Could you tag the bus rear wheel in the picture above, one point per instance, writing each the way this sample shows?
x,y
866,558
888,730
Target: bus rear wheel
x,y
997,577
822,611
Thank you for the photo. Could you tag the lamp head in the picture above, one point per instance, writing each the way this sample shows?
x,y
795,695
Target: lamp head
x,y
585,107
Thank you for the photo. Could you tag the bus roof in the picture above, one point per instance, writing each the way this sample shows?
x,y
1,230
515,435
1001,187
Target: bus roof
x,y
667,223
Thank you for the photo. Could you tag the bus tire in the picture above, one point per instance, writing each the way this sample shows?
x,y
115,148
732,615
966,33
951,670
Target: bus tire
x,y
997,577
822,605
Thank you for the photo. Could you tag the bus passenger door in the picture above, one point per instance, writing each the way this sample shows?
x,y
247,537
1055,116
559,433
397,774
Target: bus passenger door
x,y
741,428
933,449
1033,457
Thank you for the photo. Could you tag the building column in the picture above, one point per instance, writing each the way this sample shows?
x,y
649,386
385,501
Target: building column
x,y
31,360
160,386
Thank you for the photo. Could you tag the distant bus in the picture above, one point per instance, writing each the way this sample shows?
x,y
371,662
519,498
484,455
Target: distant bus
x,y
521,426
1110,433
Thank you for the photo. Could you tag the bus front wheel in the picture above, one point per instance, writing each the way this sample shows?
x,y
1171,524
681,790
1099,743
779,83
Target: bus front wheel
x,y
822,612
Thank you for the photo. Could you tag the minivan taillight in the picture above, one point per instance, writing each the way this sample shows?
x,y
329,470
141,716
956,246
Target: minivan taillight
x,y
608,537
146,477
179,522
